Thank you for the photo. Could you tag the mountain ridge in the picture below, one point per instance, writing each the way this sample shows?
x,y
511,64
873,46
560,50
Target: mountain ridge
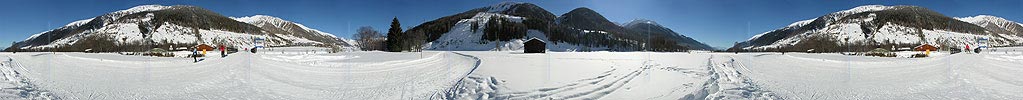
x,y
144,27
872,26
579,30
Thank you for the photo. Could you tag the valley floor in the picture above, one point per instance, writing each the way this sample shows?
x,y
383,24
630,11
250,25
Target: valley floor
x,y
300,73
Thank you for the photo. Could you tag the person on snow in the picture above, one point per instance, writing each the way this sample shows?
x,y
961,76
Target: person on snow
x,y
195,53
223,53
967,48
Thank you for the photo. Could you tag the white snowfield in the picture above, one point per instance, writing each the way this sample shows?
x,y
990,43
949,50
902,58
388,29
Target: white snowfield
x,y
302,73
640,75
357,75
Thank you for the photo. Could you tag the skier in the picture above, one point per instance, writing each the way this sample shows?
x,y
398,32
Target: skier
x,y
223,53
968,48
194,54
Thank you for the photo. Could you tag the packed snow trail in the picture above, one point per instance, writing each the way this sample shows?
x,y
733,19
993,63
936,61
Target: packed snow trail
x,y
15,86
728,83
360,75
835,76
460,80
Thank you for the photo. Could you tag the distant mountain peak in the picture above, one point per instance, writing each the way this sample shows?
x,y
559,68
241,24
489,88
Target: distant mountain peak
x,y
254,19
584,18
640,21
996,25
260,20
978,18
866,8
142,8
582,9
503,6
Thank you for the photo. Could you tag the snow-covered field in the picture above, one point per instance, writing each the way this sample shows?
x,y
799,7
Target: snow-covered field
x,y
640,75
306,73
356,75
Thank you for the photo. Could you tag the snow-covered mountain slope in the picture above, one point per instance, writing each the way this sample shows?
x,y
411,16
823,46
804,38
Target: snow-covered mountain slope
x,y
871,26
156,26
580,29
1001,27
291,31
502,7
465,37
644,26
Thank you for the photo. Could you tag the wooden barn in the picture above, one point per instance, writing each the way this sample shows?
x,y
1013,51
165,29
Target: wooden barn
x,y
205,47
534,45
925,47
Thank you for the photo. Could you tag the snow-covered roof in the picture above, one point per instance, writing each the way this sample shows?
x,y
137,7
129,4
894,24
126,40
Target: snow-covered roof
x,y
537,39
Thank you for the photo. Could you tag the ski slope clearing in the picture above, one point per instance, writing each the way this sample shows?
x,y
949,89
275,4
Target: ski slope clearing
x,y
355,75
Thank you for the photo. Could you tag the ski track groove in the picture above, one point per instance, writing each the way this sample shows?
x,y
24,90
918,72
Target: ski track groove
x,y
728,82
593,87
458,83
27,90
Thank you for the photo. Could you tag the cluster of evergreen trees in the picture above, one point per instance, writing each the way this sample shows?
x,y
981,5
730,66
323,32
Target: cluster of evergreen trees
x,y
398,41
499,28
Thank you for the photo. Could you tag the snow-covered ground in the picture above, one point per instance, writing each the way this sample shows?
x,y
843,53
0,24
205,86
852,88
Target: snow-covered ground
x,y
607,75
305,73
355,75
585,75
632,75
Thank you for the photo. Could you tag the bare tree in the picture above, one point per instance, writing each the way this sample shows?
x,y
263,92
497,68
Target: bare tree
x,y
369,39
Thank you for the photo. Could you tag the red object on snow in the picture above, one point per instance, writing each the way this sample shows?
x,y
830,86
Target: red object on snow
x,y
222,47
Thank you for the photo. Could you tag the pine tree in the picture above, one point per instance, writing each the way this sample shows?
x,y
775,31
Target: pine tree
x,y
395,38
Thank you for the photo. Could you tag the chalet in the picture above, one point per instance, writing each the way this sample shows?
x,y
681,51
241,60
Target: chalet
x,y
534,45
204,47
925,47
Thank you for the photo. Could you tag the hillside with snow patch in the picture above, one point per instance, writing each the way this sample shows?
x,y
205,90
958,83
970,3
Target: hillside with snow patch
x,y
872,26
155,26
581,29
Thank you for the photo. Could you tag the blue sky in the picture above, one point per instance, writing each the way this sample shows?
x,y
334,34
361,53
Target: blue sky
x,y
718,23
